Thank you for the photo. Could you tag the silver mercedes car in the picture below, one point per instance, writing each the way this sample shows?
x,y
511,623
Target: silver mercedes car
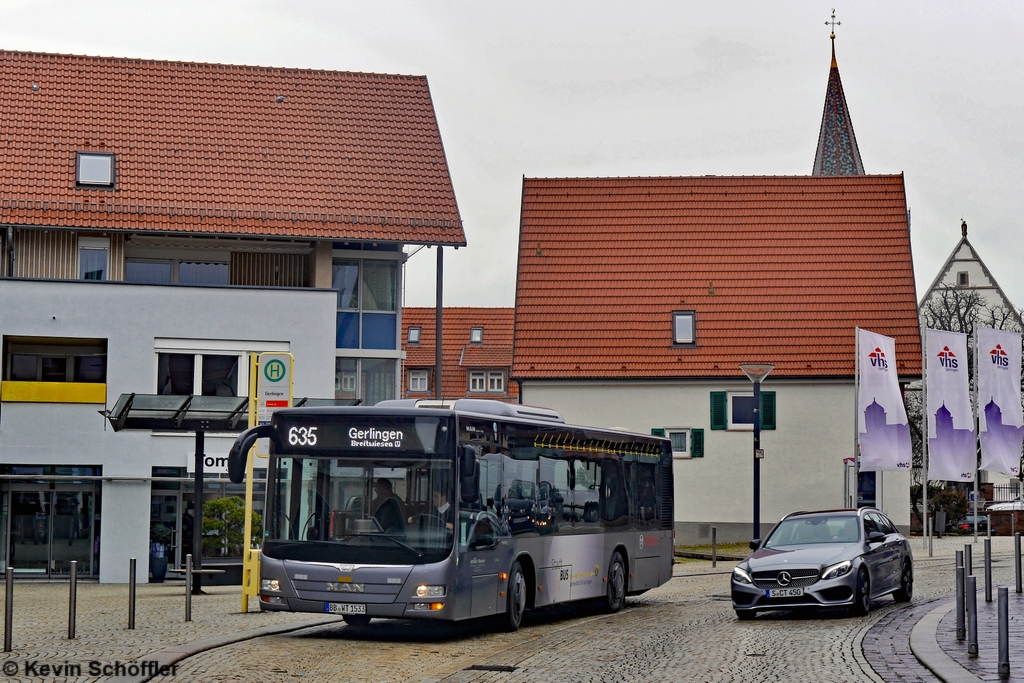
x,y
829,558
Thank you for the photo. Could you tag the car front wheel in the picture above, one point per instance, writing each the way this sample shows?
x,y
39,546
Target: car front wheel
x,y
906,590
862,595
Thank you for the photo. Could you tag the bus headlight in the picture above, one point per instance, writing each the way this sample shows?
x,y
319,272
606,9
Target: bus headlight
x,y
270,585
429,591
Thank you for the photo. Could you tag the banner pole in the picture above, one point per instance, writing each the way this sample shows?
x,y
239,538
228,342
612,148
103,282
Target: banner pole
x,y
977,433
926,530
856,417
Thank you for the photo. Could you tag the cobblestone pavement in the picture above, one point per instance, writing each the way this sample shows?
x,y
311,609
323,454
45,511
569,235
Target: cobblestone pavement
x,y
985,664
40,629
685,630
886,645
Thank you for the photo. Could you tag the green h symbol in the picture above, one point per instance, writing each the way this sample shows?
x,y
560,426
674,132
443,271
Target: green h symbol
x,y
274,371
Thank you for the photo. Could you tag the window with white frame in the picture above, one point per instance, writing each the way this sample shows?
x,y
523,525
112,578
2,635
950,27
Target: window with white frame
x,y
205,374
478,381
419,380
680,439
93,258
496,382
683,328
741,411
94,170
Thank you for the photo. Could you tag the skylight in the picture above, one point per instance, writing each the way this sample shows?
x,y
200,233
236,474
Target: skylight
x,y
476,335
95,170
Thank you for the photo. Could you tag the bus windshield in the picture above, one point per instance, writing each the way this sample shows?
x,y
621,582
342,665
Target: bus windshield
x,y
362,510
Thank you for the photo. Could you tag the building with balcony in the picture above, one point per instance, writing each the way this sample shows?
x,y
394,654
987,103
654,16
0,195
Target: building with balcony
x,y
159,221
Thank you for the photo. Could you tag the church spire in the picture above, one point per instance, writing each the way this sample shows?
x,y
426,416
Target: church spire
x,y
837,152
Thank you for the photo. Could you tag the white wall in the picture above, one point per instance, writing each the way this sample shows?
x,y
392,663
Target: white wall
x,y
132,317
803,467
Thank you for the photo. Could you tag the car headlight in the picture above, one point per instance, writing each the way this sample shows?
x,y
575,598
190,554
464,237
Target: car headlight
x,y
836,570
270,585
740,575
429,591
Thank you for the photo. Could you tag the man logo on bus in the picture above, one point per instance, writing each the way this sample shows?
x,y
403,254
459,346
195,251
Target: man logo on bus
x,y
999,357
274,371
878,359
947,359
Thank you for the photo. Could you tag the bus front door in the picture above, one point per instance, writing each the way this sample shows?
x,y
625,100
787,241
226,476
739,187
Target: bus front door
x,y
485,557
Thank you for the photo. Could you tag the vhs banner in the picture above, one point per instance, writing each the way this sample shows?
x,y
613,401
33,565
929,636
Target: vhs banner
x,y
952,444
1000,420
883,429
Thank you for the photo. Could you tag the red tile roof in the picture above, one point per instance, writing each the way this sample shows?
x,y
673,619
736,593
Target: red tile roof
x,y
777,269
458,354
207,148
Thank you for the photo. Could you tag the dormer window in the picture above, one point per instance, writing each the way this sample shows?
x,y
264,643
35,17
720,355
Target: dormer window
x,y
94,170
683,328
414,335
476,335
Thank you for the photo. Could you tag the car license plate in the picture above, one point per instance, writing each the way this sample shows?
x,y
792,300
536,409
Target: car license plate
x,y
344,608
784,593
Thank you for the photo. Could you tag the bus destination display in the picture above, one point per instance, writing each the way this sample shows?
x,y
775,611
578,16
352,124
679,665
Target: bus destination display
x,y
300,434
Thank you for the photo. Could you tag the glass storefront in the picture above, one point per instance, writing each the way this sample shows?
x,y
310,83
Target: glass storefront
x,y
45,523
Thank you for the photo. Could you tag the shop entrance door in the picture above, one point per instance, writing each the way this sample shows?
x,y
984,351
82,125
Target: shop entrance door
x,y
48,528
165,508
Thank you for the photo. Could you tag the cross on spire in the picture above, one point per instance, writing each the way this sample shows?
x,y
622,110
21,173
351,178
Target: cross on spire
x,y
833,24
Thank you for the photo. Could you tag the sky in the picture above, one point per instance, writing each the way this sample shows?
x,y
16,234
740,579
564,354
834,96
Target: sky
x,y
935,91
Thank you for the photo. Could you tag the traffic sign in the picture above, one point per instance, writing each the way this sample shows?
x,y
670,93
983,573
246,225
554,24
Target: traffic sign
x,y
273,390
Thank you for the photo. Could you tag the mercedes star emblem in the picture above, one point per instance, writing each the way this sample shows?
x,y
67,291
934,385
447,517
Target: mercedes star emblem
x,y
785,578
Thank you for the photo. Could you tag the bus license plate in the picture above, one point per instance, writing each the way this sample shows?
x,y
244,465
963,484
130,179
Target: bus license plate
x,y
784,592
344,608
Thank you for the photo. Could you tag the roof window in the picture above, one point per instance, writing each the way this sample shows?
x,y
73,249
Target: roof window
x,y
683,328
414,335
94,169
476,335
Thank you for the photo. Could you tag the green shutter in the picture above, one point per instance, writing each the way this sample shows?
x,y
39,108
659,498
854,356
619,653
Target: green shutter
x,y
697,443
719,403
767,410
657,432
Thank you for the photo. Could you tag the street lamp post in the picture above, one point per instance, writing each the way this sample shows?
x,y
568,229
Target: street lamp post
x,y
756,373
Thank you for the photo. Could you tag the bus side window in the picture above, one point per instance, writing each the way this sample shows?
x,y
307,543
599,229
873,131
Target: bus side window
x,y
554,495
646,511
614,503
586,495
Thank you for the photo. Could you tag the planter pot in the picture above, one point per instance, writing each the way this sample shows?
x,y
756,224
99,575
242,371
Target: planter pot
x,y
158,568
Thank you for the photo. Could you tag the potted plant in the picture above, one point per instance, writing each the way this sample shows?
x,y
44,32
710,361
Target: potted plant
x,y
159,537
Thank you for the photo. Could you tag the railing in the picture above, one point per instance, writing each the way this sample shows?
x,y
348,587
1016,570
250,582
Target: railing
x,y
1004,493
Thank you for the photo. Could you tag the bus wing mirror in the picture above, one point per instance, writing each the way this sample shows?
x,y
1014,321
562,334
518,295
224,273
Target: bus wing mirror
x,y
469,479
238,456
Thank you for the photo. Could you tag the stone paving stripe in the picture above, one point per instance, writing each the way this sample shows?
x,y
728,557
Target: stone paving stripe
x,y
173,655
926,648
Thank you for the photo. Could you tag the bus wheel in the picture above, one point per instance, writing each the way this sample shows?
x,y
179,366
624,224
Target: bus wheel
x,y
516,598
616,584
357,620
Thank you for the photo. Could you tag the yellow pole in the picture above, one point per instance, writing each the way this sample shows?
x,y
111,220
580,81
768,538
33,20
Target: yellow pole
x,y
250,557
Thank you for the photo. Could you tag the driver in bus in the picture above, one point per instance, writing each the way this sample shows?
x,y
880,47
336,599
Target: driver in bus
x,y
442,506
388,508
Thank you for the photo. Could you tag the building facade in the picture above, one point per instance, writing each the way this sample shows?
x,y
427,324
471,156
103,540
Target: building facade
x,y
159,222
477,353
684,279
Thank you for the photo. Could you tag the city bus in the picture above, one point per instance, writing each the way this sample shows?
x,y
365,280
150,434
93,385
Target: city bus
x,y
456,510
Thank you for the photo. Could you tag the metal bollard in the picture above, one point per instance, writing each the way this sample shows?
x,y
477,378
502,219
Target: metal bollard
x,y
72,599
8,607
1004,631
988,525
188,587
931,533
972,615
961,629
1016,558
714,547
131,593
988,570
968,565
